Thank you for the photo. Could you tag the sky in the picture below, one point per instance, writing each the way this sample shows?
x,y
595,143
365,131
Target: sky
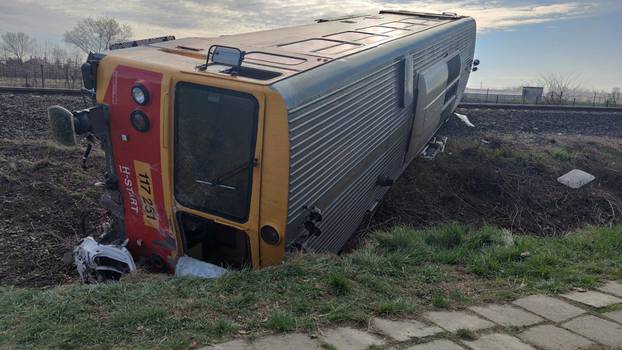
x,y
517,43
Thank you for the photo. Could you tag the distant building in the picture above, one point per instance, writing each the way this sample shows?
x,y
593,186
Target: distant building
x,y
532,94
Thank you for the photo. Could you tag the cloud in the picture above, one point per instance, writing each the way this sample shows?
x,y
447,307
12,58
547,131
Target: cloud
x,y
217,17
501,18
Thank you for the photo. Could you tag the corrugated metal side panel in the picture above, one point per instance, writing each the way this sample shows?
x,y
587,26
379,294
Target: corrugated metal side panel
x,y
332,134
459,41
349,209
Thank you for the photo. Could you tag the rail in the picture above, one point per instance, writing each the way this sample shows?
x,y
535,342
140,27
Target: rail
x,y
569,108
40,91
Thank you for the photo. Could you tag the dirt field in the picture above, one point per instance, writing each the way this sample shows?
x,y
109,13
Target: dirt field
x,y
502,172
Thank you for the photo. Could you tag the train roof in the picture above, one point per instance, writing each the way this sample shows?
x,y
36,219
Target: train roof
x,y
273,55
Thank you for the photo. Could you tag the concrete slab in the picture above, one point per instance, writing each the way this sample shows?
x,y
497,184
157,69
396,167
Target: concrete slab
x,y
404,330
347,338
507,315
455,320
498,341
437,345
614,315
576,178
549,337
612,287
549,308
273,342
592,327
230,345
592,298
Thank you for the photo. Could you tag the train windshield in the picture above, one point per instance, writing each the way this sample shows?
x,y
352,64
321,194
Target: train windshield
x,y
214,149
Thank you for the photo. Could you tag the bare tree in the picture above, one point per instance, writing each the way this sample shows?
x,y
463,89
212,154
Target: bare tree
x,y
17,44
614,97
96,34
58,54
558,87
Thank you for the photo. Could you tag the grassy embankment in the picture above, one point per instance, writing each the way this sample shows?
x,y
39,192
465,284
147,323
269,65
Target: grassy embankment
x,y
398,273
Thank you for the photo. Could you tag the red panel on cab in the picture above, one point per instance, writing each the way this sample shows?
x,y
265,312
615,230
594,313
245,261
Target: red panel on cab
x,y
137,165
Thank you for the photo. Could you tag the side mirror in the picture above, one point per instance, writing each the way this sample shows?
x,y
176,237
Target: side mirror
x,y
228,56
62,126
88,78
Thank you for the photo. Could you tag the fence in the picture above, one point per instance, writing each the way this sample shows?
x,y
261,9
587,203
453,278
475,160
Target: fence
x,y
504,97
41,73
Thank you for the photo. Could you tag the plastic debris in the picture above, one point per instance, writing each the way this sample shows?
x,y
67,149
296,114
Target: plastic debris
x,y
187,266
102,262
507,237
576,178
464,119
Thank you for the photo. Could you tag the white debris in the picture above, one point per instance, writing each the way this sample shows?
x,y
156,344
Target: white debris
x,y
507,238
187,266
101,262
576,178
464,119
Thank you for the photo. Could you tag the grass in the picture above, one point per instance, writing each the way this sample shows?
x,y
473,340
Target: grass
x,y
401,272
561,154
466,334
339,283
280,321
439,301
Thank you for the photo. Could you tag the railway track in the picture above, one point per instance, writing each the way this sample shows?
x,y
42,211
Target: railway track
x,y
471,105
466,105
39,91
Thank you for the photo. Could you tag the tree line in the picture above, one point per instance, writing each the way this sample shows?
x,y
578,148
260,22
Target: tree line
x,y
26,62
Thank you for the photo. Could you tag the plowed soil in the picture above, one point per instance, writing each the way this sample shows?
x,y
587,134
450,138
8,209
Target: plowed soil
x,y
502,172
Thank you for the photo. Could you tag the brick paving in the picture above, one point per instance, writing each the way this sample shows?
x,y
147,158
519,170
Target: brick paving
x,y
507,315
592,298
548,307
551,337
498,341
570,321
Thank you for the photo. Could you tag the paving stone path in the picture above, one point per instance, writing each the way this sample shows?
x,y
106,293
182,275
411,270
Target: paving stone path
x,y
570,321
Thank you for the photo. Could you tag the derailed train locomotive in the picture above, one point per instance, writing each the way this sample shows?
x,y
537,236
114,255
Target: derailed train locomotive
x,y
231,149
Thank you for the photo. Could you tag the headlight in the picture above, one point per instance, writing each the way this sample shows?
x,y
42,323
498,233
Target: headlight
x,y
140,121
270,235
140,94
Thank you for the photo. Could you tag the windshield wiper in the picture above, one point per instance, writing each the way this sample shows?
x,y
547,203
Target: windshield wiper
x,y
217,182
209,183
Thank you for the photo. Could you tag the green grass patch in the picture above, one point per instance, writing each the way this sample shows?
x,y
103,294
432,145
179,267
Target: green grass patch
x,y
466,334
339,283
401,272
395,307
280,321
439,300
610,308
561,154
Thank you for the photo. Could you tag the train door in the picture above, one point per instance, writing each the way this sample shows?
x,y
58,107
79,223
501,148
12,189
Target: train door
x,y
216,176
435,92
